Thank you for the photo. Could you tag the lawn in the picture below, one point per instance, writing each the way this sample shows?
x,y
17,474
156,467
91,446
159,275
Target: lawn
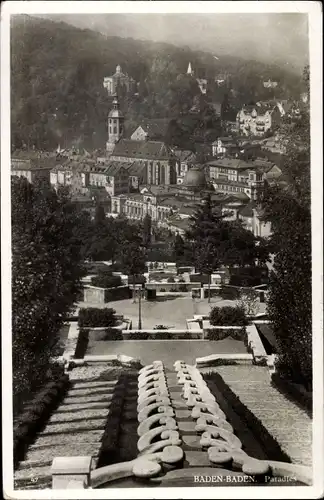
x,y
167,351
168,310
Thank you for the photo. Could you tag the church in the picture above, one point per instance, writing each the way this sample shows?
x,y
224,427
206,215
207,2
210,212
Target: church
x,y
118,81
157,158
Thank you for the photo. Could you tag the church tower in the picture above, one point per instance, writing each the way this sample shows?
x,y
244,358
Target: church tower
x,y
189,70
115,125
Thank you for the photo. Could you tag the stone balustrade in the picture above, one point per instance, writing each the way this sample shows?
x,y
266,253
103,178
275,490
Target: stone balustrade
x,y
217,436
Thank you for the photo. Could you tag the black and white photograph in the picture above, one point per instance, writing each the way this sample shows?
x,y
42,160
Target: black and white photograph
x,y
162,246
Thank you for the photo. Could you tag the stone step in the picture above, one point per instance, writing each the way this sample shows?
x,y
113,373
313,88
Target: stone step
x,y
71,437
76,407
197,459
93,424
91,392
88,399
63,450
94,384
92,413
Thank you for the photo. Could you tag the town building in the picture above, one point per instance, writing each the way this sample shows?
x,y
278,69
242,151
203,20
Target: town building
x,y
155,155
269,84
33,167
202,82
224,146
118,81
115,125
184,160
151,129
256,120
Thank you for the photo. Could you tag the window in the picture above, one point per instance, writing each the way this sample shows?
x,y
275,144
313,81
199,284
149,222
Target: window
x,y
115,130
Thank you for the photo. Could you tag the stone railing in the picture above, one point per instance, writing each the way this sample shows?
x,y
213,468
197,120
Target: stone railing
x,y
160,447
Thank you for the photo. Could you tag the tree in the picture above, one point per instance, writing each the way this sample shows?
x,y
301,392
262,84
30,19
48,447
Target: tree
x,y
287,208
249,302
147,230
205,236
46,277
132,254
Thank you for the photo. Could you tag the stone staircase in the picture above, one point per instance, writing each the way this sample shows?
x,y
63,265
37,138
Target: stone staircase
x,y
285,421
75,428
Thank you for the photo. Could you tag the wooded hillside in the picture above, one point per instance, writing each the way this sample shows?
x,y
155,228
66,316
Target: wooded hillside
x,y
57,93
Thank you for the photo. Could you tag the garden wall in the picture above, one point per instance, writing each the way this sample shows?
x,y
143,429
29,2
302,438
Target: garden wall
x,y
96,295
171,287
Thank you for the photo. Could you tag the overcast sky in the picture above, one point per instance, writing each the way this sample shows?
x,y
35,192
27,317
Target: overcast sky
x,y
277,38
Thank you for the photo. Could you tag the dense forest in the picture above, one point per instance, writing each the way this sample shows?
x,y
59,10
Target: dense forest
x,y
57,93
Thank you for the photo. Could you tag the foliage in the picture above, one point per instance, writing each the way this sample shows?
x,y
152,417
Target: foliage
x,y
249,302
94,317
106,280
161,327
40,408
218,334
171,279
287,208
58,96
132,254
228,316
46,276
147,230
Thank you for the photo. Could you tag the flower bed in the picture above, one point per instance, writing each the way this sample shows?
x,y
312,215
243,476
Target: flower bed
x,y
36,414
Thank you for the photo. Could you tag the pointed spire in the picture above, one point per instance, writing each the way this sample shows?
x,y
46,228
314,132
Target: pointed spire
x,y
189,70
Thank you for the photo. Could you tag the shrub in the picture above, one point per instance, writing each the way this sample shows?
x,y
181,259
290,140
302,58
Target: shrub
x,y
227,316
173,289
139,336
229,293
113,334
171,280
162,290
161,327
183,288
94,317
82,344
161,336
217,334
181,280
106,281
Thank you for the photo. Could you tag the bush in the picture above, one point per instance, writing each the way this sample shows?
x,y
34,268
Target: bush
x,y
161,327
171,280
139,336
113,334
229,293
94,317
162,290
174,289
234,333
106,281
183,288
161,336
227,316
82,344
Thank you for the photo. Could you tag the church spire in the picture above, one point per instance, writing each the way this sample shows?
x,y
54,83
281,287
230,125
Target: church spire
x,y
189,70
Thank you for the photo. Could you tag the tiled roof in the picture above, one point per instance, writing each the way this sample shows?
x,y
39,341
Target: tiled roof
x,y
156,127
135,168
148,150
184,154
247,210
43,163
229,163
113,168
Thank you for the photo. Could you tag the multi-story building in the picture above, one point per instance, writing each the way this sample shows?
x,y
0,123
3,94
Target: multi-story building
x,y
118,81
115,126
151,129
225,146
34,169
184,160
155,155
256,120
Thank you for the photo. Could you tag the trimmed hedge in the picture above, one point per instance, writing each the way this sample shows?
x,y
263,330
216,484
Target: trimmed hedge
x,y
82,344
229,293
95,317
227,316
106,281
36,415
120,293
292,391
269,444
234,333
